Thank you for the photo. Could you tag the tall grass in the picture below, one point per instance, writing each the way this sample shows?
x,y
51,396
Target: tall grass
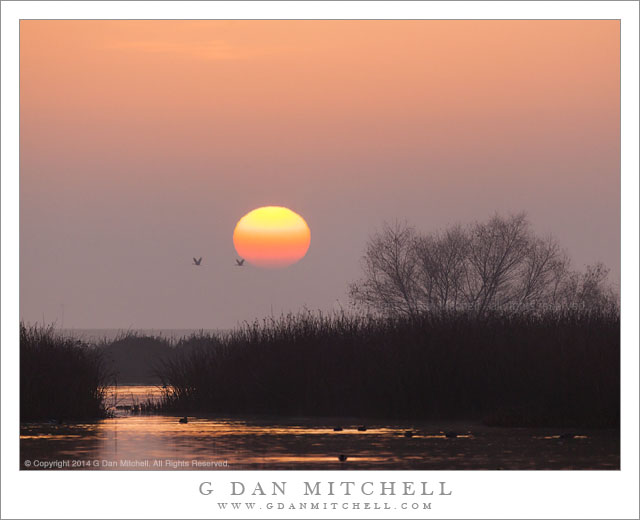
x,y
517,369
60,378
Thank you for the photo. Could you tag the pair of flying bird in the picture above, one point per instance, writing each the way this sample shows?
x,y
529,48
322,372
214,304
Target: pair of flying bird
x,y
198,261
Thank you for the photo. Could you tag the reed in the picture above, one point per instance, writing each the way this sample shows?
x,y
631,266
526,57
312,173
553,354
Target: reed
x,y
554,368
60,378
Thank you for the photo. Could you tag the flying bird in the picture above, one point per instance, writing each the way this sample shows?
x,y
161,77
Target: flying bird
x,y
239,263
198,261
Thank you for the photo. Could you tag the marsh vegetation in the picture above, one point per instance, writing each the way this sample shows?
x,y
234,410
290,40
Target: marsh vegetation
x,y
508,369
60,378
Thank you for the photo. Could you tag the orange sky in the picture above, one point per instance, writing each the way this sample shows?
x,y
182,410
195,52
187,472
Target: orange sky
x,y
148,139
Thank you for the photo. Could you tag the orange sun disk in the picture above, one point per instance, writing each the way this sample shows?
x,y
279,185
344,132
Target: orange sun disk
x,y
272,236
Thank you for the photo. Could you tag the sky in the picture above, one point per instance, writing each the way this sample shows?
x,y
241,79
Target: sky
x,y
142,143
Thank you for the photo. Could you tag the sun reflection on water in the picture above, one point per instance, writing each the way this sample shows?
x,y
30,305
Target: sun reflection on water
x,y
308,443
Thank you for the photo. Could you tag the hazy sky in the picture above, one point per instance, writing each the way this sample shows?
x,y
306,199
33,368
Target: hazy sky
x,y
143,143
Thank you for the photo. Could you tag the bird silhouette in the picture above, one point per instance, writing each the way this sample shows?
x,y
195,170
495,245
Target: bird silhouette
x,y
184,420
239,263
408,434
198,261
362,428
342,458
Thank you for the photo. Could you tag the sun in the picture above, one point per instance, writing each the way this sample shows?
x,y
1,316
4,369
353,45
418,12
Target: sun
x,y
272,236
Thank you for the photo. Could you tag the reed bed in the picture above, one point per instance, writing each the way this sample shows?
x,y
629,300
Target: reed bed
x,y
60,378
555,368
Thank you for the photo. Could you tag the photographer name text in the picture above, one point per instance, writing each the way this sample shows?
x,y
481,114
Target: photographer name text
x,y
329,488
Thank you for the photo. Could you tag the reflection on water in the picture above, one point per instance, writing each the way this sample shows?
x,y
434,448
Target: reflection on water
x,y
128,396
160,442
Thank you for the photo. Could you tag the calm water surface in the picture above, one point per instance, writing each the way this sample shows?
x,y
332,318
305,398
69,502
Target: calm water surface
x,y
160,442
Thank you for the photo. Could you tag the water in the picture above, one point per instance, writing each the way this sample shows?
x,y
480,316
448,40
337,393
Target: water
x,y
120,399
160,442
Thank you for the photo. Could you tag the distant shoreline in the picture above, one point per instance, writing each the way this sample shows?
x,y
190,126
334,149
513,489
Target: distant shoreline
x,y
111,334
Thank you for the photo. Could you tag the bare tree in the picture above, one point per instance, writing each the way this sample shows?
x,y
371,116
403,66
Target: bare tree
x,y
588,290
442,268
497,251
544,267
498,264
390,271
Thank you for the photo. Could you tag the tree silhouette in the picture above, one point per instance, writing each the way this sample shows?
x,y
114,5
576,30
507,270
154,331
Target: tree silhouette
x,y
499,264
